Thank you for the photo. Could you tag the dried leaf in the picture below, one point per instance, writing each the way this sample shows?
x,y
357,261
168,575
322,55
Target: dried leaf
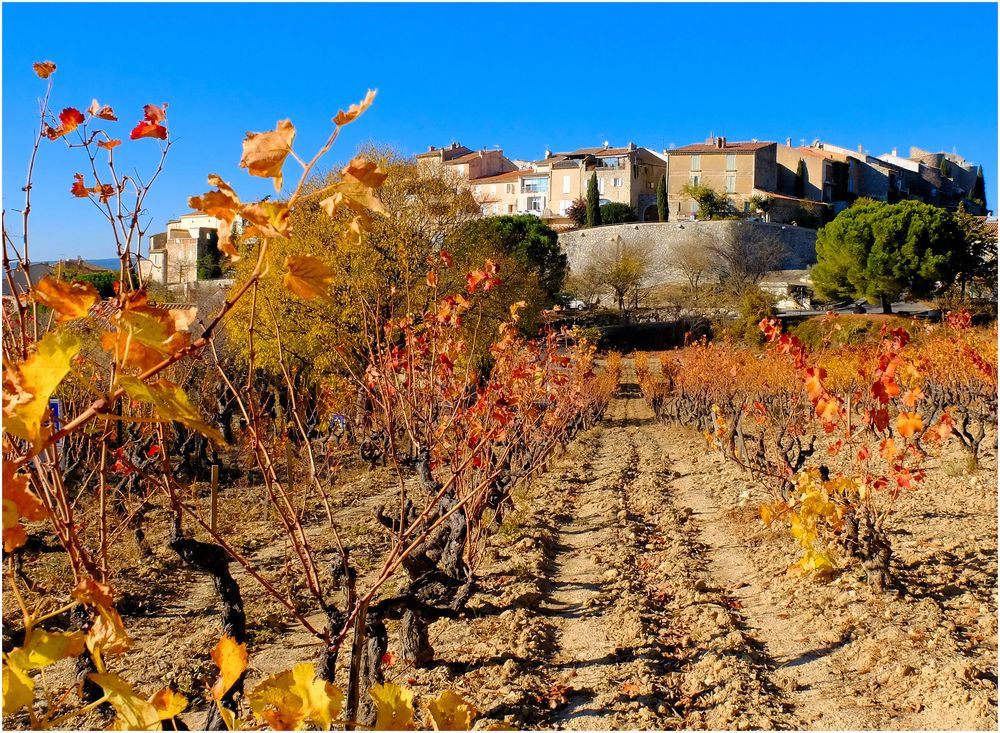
x,y
355,110
27,388
42,648
107,634
356,190
79,189
134,712
44,69
269,219
19,502
103,112
393,706
264,153
224,205
168,704
69,119
308,277
909,423
154,114
148,129
70,300
171,403
108,144
231,659
450,712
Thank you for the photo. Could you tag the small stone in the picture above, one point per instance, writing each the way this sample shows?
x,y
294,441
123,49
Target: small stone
x,y
611,574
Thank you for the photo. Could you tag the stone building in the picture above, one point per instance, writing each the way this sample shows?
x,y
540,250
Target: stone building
x,y
174,255
462,162
739,169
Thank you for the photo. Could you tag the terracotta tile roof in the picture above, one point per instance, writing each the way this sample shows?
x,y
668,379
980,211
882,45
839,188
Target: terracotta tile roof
x,y
597,151
508,177
446,153
462,159
743,147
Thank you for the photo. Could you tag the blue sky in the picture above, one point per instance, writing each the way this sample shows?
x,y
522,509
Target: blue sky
x,y
524,77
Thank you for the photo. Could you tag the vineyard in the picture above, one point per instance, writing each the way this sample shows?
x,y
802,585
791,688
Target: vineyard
x,y
470,526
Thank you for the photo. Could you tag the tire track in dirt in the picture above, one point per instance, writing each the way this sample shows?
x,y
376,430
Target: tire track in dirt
x,y
605,661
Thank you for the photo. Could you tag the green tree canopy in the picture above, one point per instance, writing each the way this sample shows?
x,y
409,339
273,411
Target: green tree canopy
x,y
593,202
711,203
879,250
979,189
531,266
616,213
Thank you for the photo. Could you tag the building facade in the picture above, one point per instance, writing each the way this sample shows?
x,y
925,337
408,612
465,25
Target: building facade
x,y
174,255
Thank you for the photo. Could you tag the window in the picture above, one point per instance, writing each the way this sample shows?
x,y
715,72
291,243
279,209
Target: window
x,y
566,184
493,188
534,185
535,204
696,162
650,185
731,161
564,206
510,207
695,180
617,182
510,188
600,185
730,184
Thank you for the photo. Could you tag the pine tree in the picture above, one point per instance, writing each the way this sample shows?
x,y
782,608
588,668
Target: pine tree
x,y
593,203
800,179
661,198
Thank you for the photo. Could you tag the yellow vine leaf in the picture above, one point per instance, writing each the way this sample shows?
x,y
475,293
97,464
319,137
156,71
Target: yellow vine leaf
x,y
171,403
41,649
450,712
355,110
147,334
26,389
308,277
19,502
394,707
70,300
269,219
231,659
356,190
18,688
134,712
168,703
292,698
264,153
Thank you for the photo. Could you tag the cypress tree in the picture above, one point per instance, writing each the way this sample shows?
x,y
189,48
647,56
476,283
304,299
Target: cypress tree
x,y
979,190
593,203
945,168
661,198
800,179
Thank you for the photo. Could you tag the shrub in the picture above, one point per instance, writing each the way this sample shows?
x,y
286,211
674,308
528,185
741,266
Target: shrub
x,y
616,213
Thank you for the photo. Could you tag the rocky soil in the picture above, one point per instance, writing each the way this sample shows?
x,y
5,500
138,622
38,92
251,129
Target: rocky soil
x,y
634,587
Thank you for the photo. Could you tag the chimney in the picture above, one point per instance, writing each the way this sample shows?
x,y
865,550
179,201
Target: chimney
x,y
454,146
788,142
894,152
548,154
861,148
430,148
631,147
607,144
718,142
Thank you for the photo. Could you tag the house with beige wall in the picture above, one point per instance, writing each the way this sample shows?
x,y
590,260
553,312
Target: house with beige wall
x,y
465,163
739,169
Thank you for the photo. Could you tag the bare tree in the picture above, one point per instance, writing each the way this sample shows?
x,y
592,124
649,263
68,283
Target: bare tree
x,y
622,267
746,252
696,258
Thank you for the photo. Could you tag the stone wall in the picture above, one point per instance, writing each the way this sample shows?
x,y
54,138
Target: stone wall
x,y
662,237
